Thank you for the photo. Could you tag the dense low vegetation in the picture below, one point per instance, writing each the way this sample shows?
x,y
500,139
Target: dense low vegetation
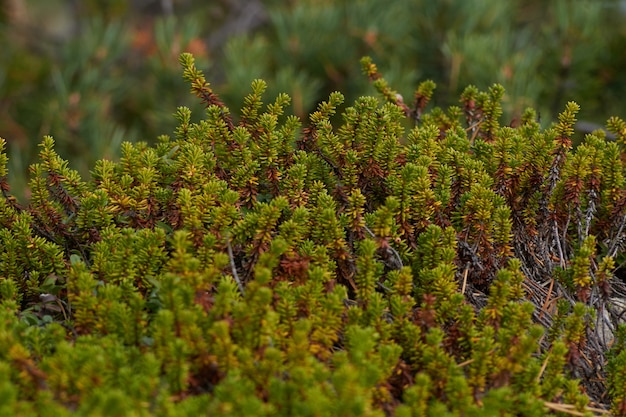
x,y
392,260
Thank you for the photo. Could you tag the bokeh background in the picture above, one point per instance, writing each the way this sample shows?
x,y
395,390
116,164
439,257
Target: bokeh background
x,y
94,73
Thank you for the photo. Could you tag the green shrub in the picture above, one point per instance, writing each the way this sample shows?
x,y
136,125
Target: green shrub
x,y
97,73
262,267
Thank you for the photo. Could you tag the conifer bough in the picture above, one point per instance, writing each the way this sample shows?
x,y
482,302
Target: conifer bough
x,y
398,261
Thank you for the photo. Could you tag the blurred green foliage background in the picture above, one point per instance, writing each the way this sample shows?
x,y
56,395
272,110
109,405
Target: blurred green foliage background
x,y
94,73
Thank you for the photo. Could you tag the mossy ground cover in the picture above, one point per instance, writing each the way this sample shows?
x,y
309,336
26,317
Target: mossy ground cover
x,y
395,259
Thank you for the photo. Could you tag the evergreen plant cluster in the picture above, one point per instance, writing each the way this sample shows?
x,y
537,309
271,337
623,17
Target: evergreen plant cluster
x,y
96,73
395,261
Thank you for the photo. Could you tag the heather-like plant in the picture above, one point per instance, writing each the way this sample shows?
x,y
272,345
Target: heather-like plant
x,y
398,260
